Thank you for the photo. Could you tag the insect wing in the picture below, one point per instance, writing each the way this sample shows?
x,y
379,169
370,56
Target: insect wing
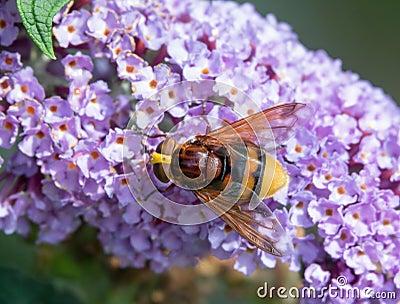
x,y
259,226
268,128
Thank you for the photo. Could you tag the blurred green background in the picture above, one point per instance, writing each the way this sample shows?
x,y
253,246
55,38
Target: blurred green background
x,y
361,33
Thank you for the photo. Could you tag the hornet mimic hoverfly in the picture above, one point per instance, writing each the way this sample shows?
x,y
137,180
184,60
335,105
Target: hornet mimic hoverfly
x,y
230,170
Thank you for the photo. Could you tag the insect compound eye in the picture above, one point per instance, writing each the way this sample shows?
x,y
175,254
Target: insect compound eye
x,y
160,146
159,172
158,165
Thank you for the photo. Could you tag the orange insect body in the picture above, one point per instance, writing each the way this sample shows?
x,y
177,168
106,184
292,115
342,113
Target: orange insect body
x,y
230,169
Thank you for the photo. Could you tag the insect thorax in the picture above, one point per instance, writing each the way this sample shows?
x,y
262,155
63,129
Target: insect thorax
x,y
194,166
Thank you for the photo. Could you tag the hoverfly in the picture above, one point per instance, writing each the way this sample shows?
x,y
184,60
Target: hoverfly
x,y
230,170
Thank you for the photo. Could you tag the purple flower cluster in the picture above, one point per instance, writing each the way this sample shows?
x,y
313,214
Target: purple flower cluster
x,y
66,142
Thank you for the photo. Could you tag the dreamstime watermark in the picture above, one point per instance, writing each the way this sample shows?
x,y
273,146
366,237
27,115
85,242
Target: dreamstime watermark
x,y
342,291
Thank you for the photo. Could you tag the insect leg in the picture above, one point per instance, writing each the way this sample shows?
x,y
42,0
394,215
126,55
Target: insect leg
x,y
152,136
169,188
204,107
208,129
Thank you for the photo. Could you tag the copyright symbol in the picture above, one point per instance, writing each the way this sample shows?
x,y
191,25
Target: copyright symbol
x,y
341,280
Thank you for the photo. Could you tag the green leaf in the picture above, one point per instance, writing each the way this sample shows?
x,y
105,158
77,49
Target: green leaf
x,y
37,17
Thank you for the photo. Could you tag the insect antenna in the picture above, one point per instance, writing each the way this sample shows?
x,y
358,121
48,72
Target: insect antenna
x,y
144,136
150,136
204,114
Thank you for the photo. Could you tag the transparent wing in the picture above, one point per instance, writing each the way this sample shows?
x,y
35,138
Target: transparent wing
x,y
268,128
259,226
